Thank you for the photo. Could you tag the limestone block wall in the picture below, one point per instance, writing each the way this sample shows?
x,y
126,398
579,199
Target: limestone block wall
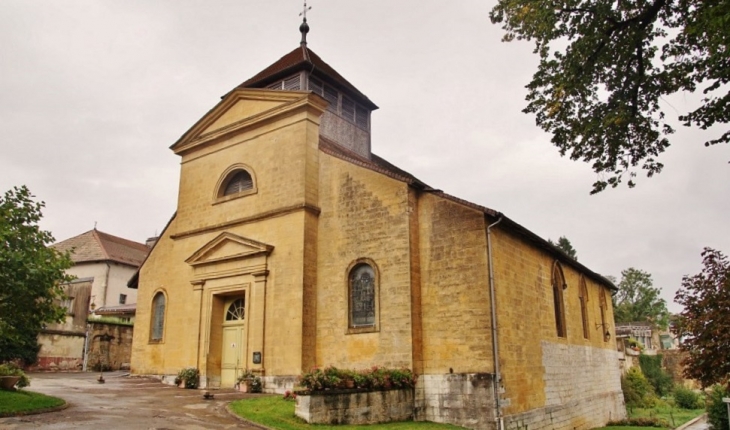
x,y
582,390
356,408
465,399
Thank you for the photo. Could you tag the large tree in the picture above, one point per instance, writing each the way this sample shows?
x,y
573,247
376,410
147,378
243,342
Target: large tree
x,y
31,275
605,65
704,324
638,300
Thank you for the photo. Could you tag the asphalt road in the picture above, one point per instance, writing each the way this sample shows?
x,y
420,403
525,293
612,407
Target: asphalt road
x,y
126,403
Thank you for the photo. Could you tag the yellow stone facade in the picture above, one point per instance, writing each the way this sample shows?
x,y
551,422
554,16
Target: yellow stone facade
x,y
287,245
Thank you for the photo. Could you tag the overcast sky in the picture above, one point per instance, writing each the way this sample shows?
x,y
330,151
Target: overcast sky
x,y
93,93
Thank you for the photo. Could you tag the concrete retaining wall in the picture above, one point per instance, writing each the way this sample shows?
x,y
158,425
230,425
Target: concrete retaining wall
x,y
343,407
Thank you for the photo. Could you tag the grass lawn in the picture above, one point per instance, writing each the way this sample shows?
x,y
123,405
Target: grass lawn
x,y
20,402
674,416
275,412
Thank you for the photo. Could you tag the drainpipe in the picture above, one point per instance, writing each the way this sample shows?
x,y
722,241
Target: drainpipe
x,y
495,342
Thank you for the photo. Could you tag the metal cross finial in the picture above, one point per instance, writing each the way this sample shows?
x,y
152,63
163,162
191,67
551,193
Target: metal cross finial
x,y
304,12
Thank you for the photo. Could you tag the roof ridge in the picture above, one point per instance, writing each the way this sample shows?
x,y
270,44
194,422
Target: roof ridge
x,y
100,242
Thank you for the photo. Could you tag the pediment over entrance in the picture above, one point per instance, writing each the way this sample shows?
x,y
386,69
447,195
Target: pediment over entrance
x,y
228,247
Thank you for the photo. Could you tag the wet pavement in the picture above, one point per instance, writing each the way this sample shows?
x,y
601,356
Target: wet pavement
x,y
124,402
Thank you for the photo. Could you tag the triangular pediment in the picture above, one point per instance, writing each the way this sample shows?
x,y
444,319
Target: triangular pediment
x,y
240,109
226,247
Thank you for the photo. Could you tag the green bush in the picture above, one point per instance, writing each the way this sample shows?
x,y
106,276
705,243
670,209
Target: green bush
x,y
638,392
685,398
639,422
716,408
190,376
651,366
373,379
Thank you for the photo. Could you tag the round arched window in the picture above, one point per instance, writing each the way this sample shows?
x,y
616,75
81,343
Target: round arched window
x,y
236,310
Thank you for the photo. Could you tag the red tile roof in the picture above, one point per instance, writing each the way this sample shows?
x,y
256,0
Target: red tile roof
x,y
95,245
303,58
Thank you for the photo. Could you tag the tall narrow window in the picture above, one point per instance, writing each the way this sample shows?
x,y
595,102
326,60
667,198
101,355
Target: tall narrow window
x,y
362,296
583,296
603,305
559,285
158,317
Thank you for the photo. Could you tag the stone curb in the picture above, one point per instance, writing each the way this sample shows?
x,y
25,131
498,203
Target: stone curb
x,y
35,411
244,420
692,421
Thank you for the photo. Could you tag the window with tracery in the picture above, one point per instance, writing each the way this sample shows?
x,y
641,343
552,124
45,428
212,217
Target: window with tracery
x,y
558,283
583,296
236,310
158,317
362,288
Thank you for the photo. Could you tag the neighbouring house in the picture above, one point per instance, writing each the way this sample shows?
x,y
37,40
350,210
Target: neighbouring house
x,y
103,264
111,261
295,246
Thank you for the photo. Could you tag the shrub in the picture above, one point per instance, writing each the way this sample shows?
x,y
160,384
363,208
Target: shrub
x,y
638,392
375,378
716,408
651,366
189,375
685,398
12,369
639,422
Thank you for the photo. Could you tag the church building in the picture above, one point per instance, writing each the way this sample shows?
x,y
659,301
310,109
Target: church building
x,y
295,246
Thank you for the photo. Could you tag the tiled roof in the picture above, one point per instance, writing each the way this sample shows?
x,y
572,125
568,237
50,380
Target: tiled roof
x,y
95,245
119,309
303,58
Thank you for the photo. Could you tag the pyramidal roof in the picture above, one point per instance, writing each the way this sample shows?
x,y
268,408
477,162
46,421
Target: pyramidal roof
x,y
95,245
303,58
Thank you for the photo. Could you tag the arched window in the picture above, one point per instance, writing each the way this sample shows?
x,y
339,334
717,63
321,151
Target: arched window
x,y
604,306
158,317
558,282
362,286
583,296
239,182
236,310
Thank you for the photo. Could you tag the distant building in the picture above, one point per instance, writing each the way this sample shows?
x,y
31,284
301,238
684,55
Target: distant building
x,y
110,261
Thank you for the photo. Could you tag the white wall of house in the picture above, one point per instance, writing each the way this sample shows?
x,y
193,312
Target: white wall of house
x,y
110,280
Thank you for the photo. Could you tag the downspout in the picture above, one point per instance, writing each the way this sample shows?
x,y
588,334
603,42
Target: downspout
x,y
495,342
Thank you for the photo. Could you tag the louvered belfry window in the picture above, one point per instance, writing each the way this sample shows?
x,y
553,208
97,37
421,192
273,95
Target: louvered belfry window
x,y
240,181
362,296
340,103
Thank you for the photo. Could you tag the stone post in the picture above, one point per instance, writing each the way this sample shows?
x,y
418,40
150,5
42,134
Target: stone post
x,y
727,401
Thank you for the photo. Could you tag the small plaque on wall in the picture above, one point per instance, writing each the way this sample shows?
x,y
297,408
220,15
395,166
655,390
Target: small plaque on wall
x,y
257,357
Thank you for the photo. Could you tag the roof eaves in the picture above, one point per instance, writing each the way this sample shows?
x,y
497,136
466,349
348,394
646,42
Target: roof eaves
x,y
134,280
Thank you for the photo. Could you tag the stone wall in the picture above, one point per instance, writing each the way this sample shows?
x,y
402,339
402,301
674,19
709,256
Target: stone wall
x,y
110,344
356,408
465,400
582,390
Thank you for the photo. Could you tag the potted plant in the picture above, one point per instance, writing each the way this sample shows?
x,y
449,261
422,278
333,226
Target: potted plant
x,y
188,377
11,375
248,382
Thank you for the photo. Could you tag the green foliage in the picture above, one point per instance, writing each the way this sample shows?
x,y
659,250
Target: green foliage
x,y
12,369
606,65
375,378
664,412
639,422
24,402
638,300
638,392
565,246
651,367
254,381
110,320
277,413
704,324
685,398
716,408
31,275
190,376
